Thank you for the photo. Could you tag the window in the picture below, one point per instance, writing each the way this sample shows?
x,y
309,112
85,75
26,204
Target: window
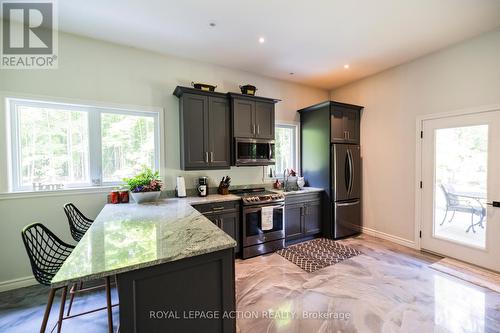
x,y
286,149
55,145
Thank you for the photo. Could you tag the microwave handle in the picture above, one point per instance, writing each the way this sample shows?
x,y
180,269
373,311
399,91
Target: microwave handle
x,y
270,151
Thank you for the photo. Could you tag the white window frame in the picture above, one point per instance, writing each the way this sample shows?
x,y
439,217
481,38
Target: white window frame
x,y
94,131
296,127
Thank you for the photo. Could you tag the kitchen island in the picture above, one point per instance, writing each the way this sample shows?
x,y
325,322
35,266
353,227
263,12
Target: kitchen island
x,y
174,268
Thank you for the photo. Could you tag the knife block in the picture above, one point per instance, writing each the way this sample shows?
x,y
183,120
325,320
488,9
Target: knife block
x,y
223,190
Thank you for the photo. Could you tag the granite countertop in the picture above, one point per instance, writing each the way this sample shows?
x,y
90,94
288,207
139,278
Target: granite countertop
x,y
130,236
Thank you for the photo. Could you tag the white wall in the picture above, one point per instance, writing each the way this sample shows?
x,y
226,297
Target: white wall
x,y
91,70
462,76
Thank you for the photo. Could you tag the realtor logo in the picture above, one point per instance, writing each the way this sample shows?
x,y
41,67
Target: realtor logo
x,y
29,35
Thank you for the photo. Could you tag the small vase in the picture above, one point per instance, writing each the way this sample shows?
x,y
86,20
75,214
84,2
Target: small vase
x,y
301,182
141,197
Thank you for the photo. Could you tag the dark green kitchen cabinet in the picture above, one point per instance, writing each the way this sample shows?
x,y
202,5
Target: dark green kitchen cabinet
x,y
293,220
344,124
252,117
205,139
302,215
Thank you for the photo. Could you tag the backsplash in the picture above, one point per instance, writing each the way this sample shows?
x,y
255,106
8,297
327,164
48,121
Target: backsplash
x,y
191,192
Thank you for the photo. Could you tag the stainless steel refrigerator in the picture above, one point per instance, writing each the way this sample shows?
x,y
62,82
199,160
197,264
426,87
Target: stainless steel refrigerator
x,y
346,189
330,159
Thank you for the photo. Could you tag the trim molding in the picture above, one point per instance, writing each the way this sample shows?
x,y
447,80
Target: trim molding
x,y
17,283
391,238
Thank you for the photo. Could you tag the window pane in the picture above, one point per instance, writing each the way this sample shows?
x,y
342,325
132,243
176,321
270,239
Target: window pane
x,y
285,149
53,146
461,176
128,143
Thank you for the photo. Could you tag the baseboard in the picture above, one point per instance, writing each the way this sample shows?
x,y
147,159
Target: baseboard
x,y
391,238
17,283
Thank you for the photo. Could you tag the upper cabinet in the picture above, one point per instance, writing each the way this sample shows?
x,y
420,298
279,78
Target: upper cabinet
x,y
344,120
252,116
204,129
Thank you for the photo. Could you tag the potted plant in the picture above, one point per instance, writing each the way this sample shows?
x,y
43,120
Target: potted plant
x,y
145,187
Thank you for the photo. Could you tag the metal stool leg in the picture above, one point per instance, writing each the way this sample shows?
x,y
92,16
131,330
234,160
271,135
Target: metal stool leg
x,y
72,291
52,293
109,305
61,309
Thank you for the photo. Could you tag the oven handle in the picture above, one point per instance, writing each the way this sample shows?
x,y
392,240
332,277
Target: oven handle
x,y
258,207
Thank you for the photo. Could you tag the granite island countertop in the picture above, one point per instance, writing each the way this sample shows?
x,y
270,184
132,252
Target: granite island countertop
x,y
126,237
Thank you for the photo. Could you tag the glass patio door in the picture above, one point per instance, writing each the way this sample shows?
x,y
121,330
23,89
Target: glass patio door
x,y
461,177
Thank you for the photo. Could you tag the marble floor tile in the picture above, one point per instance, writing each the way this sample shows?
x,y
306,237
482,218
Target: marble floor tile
x,y
388,288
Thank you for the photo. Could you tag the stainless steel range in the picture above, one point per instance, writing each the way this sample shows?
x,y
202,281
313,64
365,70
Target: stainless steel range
x,y
263,221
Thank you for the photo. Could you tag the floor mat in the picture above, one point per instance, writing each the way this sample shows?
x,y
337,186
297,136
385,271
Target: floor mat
x,y
317,253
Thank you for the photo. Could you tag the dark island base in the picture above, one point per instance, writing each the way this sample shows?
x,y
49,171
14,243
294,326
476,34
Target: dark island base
x,y
190,295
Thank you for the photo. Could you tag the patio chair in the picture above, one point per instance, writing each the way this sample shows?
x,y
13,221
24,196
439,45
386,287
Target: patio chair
x,y
458,202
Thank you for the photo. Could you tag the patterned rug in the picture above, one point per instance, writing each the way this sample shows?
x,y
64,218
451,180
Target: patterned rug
x,y
317,253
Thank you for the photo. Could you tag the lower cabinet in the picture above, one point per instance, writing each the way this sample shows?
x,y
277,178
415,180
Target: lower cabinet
x,y
226,217
302,215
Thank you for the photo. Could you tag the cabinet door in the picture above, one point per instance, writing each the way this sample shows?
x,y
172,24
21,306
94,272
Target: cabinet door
x,y
293,221
230,223
243,118
264,120
218,133
337,126
194,118
312,218
351,125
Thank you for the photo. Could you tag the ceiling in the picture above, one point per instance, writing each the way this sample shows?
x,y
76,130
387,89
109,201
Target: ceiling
x,y
313,39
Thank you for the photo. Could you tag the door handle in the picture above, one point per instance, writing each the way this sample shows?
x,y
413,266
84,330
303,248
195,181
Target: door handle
x,y
351,172
494,203
348,204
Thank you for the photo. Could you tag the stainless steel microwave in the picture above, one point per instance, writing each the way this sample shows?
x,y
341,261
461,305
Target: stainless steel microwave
x,y
253,152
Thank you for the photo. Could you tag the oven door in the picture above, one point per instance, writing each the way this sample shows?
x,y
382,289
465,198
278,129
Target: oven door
x,y
254,152
253,232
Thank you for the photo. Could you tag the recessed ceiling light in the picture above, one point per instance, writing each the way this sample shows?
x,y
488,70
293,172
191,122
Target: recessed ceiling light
x,y
261,40
346,66
291,73
212,24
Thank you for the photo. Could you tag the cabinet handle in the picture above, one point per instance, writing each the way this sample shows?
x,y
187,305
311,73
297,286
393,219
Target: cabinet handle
x,y
218,208
349,135
253,129
258,129
206,156
219,222
211,157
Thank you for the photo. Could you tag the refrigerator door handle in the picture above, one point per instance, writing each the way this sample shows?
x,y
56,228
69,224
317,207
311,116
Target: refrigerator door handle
x,y
348,204
347,171
351,171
